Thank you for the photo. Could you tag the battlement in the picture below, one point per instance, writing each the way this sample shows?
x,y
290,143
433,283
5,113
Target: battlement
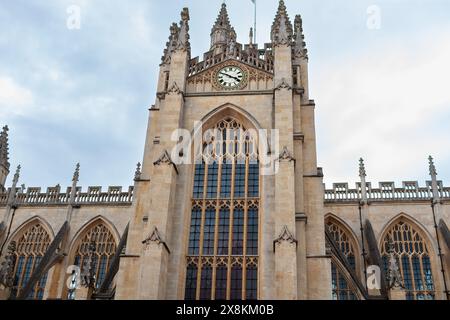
x,y
53,196
386,191
261,59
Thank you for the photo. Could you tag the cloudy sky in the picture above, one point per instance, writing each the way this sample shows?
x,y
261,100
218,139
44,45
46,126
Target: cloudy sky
x,y
82,95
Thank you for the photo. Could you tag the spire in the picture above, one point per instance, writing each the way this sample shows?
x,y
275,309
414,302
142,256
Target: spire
x,y
282,27
300,50
4,148
222,32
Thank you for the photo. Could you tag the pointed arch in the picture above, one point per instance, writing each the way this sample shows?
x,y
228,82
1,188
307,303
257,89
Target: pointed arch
x,y
96,220
415,253
31,221
417,224
345,238
32,239
228,110
225,217
106,238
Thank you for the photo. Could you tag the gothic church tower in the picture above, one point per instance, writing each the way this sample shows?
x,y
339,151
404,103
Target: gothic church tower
x,y
216,225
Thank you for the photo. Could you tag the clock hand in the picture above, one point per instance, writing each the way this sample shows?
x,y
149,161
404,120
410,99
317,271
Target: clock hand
x,y
235,78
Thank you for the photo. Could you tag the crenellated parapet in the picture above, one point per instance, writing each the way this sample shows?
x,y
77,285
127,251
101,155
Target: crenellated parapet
x,y
34,196
385,192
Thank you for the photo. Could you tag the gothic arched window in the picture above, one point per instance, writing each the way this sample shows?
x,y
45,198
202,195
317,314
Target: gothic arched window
x,y
413,258
341,288
105,248
31,246
222,259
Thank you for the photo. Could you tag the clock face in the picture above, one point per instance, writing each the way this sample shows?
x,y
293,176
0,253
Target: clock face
x,y
230,77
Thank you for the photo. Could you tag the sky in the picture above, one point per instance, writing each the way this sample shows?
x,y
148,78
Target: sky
x,y
378,73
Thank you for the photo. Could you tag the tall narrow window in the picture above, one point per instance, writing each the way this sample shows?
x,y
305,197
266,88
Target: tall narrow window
x,y
31,245
199,178
194,236
191,282
105,248
224,224
209,232
412,253
238,232
221,282
213,170
224,232
341,289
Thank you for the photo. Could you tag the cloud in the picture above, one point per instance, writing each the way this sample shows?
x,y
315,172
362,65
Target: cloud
x,y
14,99
387,106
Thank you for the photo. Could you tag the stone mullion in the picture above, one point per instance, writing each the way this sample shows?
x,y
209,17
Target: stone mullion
x,y
230,237
216,230
202,226
244,244
200,241
411,272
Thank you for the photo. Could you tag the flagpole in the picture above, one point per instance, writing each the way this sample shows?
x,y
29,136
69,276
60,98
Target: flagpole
x,y
254,41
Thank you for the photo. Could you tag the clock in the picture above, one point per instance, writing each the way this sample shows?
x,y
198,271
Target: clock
x,y
231,77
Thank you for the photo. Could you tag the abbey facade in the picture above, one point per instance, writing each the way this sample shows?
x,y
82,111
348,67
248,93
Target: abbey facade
x,y
242,214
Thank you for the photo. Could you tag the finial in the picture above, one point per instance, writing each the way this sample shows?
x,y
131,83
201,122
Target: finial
x,y
300,50
76,174
183,37
17,175
433,172
4,152
251,36
137,174
362,168
282,28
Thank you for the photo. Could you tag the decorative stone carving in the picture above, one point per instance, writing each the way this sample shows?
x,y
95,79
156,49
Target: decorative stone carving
x,y
283,85
88,279
394,276
165,159
286,155
285,236
155,237
282,27
7,267
174,89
